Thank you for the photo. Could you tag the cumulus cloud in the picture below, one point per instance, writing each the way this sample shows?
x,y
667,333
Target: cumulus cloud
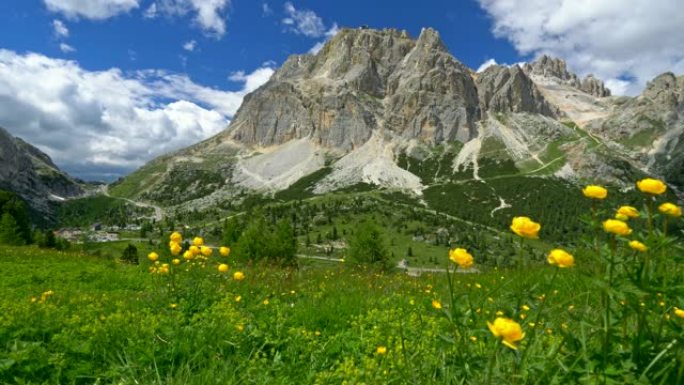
x,y
66,48
91,9
209,15
625,42
488,63
61,30
266,10
190,45
303,22
253,80
330,33
101,124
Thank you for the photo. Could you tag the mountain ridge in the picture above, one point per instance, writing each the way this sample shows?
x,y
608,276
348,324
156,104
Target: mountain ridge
x,y
370,98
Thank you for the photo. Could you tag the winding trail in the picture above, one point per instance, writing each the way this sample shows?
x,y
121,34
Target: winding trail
x,y
158,211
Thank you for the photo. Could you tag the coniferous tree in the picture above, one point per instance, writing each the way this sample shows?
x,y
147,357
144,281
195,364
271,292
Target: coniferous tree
x,y
368,246
10,233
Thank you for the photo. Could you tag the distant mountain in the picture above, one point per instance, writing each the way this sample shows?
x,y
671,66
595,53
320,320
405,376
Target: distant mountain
x,y
378,108
31,174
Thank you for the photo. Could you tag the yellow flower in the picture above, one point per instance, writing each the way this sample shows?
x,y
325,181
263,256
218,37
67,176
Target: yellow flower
x,y
223,268
153,256
621,217
473,338
560,258
198,241
525,308
525,227
176,261
188,255
461,257
436,304
628,211
176,237
224,251
238,298
638,246
238,276
206,251
679,312
176,248
651,186
194,250
616,227
670,209
381,350
266,301
508,330
595,192
173,306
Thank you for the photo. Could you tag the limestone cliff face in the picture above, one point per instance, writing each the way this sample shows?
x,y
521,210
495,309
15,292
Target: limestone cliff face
x,y
30,173
556,69
509,89
365,80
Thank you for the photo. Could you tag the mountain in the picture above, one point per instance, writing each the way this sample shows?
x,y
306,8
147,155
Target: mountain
x,y
32,175
378,108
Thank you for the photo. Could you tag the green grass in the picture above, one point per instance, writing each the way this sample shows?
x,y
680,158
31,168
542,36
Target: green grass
x,y
138,181
106,322
87,211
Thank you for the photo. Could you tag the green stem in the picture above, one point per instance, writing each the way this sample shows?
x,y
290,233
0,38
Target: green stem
x,y
649,209
538,317
520,253
611,264
492,361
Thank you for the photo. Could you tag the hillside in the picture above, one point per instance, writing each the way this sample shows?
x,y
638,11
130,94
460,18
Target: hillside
x,y
33,176
378,108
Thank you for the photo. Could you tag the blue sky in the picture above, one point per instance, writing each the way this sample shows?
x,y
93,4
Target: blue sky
x,y
103,86
253,36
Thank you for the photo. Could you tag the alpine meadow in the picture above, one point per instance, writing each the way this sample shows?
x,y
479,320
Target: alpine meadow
x,y
362,208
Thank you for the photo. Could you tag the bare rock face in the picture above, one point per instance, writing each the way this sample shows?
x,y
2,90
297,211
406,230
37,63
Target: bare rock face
x,y
556,69
508,89
30,173
363,80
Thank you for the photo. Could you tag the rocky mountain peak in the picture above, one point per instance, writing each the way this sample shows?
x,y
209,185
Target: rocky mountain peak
x,y
365,80
31,174
509,89
556,70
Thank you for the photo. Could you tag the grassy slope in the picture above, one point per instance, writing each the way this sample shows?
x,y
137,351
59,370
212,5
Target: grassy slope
x,y
112,323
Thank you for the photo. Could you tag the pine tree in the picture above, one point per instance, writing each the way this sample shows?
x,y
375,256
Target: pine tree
x,y
10,233
368,246
130,255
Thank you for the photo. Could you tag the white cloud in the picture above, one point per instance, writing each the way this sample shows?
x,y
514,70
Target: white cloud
x,y
209,15
253,80
61,30
190,45
100,124
329,34
303,22
66,48
151,11
625,42
91,9
266,10
488,63
317,47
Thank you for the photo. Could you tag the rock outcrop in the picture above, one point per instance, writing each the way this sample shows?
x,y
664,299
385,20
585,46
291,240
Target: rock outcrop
x,y
364,80
31,174
508,89
556,69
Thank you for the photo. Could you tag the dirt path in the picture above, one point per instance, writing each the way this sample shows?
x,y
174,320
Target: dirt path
x,y
158,211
